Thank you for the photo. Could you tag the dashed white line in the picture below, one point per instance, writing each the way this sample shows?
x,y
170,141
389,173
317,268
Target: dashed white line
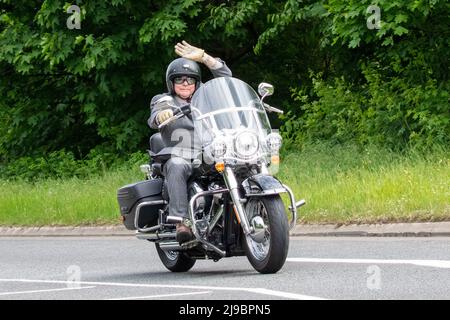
x,y
163,295
424,263
45,290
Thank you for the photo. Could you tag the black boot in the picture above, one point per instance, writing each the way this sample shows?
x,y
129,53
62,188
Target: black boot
x,y
184,233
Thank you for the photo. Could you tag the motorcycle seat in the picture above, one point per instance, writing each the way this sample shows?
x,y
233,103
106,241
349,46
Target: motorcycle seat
x,y
156,143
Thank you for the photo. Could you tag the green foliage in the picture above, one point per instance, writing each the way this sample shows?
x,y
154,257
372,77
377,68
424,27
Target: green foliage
x,y
381,112
388,86
397,18
63,165
84,93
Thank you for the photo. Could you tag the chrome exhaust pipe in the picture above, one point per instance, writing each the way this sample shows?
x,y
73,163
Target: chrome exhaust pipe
x,y
174,219
156,236
170,246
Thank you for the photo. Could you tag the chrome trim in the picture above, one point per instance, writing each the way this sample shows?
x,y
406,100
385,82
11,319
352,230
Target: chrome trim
x,y
216,218
292,207
233,109
266,192
174,219
259,227
264,169
233,186
235,141
138,211
156,236
298,204
192,217
265,89
170,246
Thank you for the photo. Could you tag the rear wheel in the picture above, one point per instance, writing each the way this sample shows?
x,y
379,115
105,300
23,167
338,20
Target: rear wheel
x,y
175,261
267,249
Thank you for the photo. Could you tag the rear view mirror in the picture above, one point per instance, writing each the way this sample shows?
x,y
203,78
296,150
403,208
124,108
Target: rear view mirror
x,y
265,89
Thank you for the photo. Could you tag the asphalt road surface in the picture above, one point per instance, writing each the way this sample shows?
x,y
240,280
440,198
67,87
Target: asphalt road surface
x,y
125,268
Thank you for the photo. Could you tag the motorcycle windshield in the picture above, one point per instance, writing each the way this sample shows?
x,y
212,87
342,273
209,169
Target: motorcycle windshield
x,y
229,104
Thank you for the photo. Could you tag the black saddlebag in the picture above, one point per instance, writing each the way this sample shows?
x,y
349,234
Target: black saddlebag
x,y
145,195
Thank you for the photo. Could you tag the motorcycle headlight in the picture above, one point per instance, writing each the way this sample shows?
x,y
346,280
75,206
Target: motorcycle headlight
x,y
273,141
246,144
219,147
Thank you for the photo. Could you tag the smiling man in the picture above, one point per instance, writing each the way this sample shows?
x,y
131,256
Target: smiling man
x,y
183,78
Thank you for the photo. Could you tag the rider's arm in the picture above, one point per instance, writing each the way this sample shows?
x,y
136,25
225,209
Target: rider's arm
x,y
217,66
155,108
222,70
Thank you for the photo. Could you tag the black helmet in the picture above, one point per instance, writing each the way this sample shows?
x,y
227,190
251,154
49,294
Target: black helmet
x,y
182,67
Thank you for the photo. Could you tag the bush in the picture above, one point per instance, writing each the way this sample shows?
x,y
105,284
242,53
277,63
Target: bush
x,y
388,112
62,164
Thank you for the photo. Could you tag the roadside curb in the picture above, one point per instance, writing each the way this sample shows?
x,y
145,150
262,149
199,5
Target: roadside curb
x,y
65,231
426,229
416,229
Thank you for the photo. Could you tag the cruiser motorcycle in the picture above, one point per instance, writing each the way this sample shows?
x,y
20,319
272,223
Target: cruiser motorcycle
x,y
235,207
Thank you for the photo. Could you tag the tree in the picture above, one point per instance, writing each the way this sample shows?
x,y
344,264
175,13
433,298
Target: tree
x,y
87,90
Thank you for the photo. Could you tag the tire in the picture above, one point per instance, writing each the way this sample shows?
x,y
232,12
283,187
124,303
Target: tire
x,y
175,261
269,255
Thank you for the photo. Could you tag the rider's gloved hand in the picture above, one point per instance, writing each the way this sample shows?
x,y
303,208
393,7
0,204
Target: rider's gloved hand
x,y
164,115
187,51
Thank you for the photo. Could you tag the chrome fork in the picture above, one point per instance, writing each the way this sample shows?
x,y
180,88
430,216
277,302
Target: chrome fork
x,y
233,187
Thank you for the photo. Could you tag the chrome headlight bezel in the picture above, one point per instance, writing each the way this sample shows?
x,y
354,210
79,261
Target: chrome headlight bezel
x,y
246,144
273,142
219,147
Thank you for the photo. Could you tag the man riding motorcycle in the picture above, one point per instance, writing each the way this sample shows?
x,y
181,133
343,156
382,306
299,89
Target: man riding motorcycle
x,y
183,78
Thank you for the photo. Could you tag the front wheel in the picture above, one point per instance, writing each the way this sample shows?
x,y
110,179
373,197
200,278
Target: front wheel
x,y
267,248
175,261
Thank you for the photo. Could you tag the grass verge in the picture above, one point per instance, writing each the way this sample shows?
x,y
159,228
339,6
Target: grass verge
x,y
347,185
342,184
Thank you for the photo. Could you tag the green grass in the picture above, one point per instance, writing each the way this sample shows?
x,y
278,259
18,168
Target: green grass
x,y
64,202
347,185
339,184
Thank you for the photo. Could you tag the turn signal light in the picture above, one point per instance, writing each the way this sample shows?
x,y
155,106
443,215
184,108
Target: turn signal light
x,y
275,159
220,166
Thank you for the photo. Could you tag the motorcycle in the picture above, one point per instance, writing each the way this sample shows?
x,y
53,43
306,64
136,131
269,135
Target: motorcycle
x,y
235,207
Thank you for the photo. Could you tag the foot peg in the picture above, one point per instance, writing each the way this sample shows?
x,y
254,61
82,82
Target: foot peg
x,y
298,204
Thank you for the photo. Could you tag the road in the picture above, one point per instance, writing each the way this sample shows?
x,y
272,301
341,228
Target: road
x,y
125,268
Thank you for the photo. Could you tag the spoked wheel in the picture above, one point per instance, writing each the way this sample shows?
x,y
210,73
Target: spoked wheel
x,y
267,248
175,261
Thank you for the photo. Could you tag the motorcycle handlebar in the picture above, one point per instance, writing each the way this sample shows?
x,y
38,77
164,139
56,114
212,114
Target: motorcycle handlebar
x,y
177,114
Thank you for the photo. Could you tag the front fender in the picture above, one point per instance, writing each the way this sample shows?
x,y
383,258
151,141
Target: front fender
x,y
262,185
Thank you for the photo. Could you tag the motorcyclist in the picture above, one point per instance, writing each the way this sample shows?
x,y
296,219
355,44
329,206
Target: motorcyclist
x,y
183,78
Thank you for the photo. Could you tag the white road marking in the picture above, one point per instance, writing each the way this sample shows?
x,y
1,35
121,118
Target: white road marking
x,y
285,294
425,263
142,285
163,295
46,290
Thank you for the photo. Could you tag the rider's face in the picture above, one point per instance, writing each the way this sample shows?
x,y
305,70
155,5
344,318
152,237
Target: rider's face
x,y
184,90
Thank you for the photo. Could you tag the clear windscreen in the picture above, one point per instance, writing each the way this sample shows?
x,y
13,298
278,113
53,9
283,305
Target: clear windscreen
x,y
229,104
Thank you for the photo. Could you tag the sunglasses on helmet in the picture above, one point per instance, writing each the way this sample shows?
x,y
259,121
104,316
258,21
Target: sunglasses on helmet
x,y
180,80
